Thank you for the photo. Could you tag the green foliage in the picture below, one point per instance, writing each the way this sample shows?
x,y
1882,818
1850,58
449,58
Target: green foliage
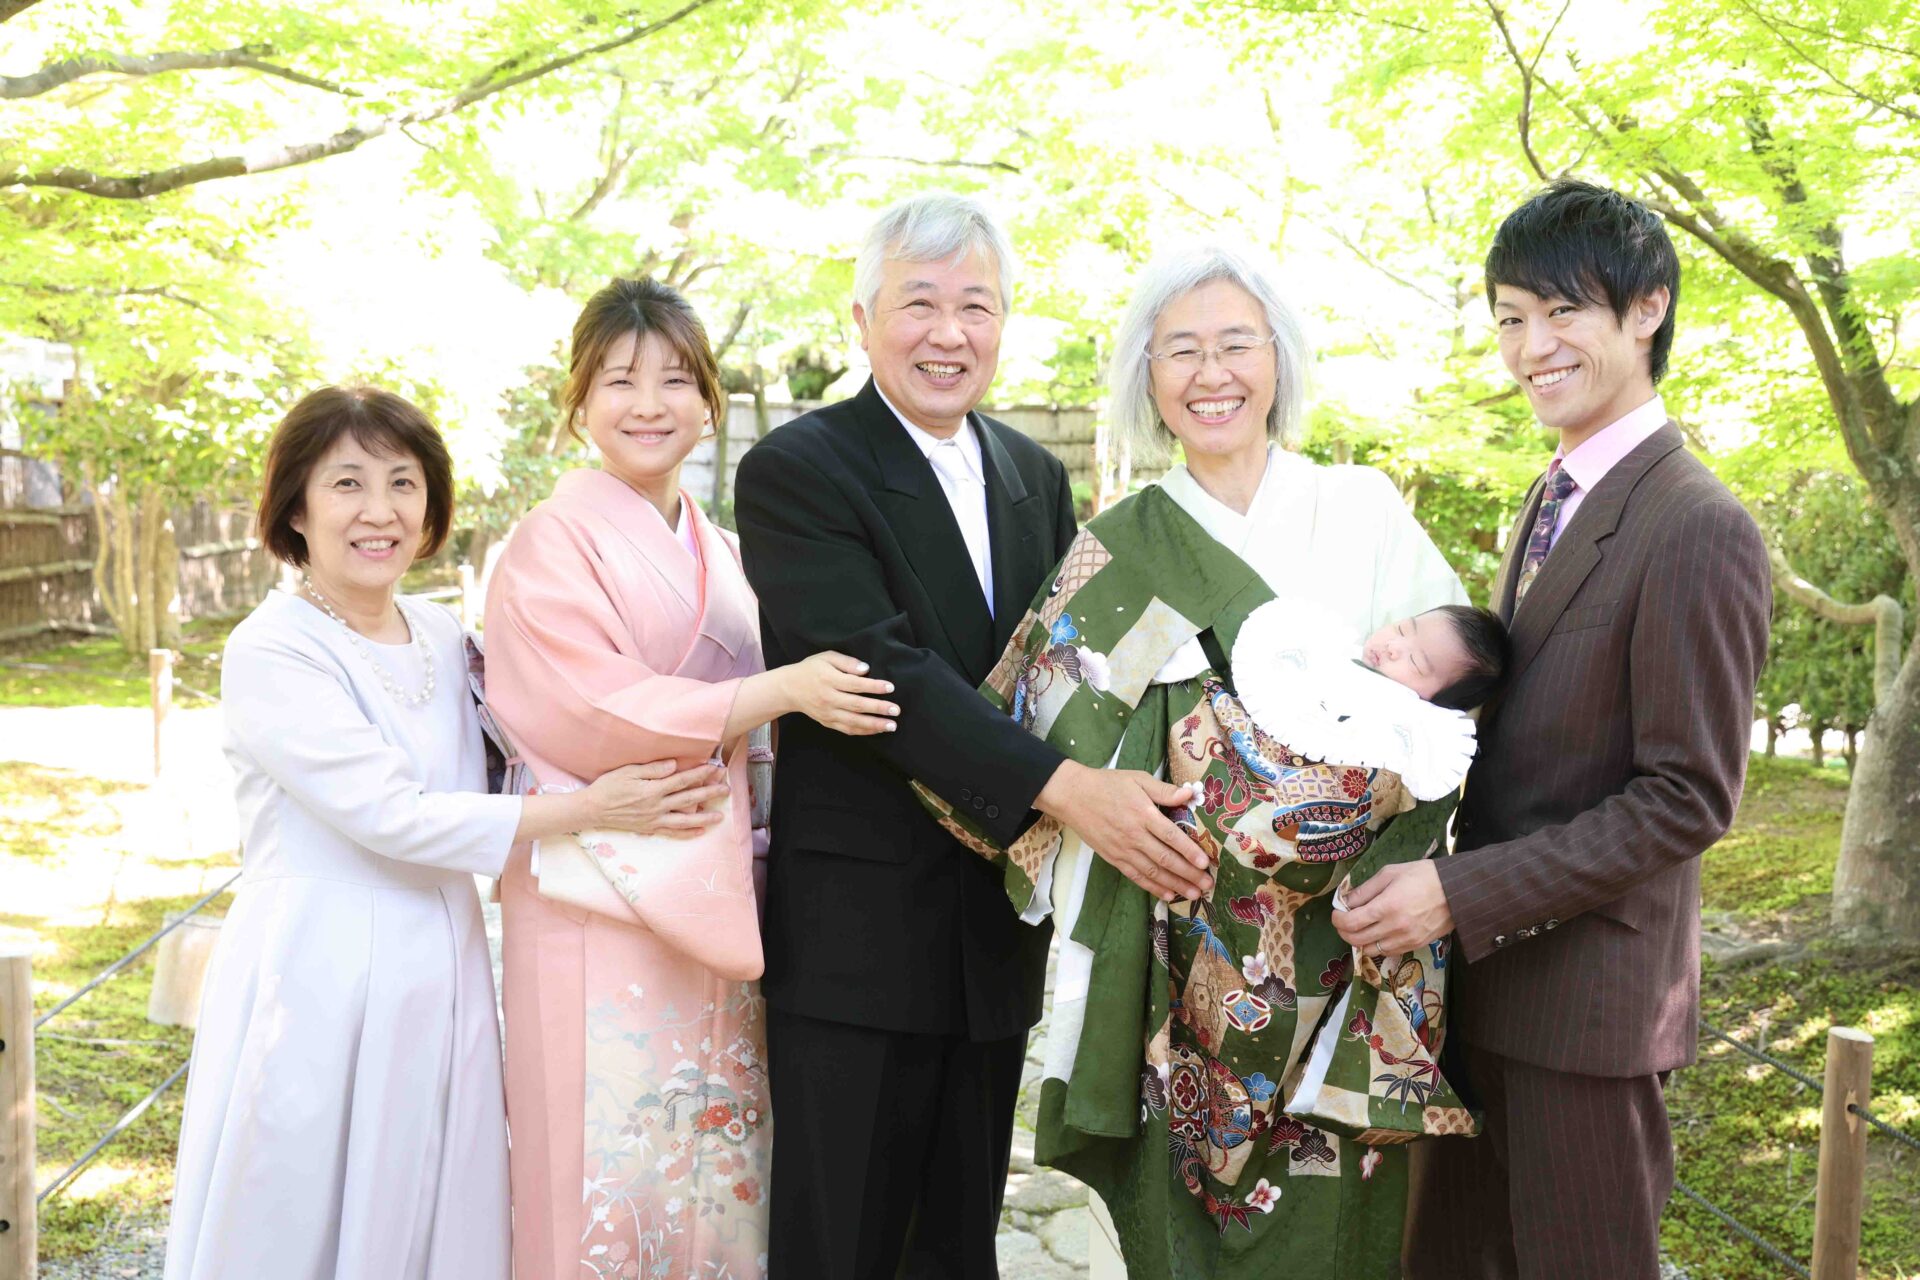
x,y
1832,532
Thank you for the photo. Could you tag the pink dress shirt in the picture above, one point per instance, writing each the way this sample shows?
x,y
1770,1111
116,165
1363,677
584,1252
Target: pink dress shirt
x,y
1589,463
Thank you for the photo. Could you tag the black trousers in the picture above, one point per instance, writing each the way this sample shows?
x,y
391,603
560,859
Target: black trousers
x,y
1566,1181
889,1153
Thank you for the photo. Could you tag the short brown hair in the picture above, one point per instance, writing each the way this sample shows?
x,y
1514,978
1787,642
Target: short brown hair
x,y
382,423
639,306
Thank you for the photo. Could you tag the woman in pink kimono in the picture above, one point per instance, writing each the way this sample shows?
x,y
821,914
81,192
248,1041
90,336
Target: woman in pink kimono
x,y
621,630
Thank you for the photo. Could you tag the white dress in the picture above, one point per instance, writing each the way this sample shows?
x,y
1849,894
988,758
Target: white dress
x,y
344,1116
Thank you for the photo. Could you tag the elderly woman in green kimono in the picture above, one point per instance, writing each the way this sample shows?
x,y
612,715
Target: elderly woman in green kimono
x,y
1178,1050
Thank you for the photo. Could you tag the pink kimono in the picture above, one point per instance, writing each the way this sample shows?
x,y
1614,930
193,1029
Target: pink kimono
x,y
636,1086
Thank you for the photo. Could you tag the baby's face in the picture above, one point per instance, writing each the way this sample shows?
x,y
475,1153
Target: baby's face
x,y
1423,653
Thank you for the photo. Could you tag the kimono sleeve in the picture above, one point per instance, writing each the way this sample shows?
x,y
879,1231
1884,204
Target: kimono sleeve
x,y
295,715
563,671
1410,575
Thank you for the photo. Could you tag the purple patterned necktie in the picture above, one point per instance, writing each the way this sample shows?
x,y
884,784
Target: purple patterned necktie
x,y
1560,483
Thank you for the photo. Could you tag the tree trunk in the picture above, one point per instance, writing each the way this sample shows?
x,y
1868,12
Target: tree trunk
x,y
1852,749
1819,732
1773,736
1876,888
717,504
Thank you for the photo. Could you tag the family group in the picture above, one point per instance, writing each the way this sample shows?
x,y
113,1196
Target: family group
x,y
1374,915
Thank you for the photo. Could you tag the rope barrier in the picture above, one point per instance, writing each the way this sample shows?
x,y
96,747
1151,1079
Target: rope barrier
x,y
119,1126
1787,1069
134,954
1899,1136
1760,1055
1742,1230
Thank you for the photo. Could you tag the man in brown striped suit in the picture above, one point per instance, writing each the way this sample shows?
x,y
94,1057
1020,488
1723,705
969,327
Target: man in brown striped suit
x,y
1638,593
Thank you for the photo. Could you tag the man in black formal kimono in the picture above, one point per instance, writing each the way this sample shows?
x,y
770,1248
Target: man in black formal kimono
x,y
909,531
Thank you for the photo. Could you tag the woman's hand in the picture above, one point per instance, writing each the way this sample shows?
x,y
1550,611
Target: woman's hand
x,y
653,799
835,690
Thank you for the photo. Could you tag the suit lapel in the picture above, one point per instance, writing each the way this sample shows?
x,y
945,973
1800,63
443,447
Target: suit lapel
x,y
1010,548
916,507
1578,548
1505,580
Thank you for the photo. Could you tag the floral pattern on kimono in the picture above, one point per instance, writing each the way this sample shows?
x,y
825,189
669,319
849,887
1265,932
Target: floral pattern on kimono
x,y
679,1130
1174,1032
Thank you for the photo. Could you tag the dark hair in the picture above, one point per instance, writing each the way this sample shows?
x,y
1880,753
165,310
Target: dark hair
x,y
382,423
1588,245
1489,654
638,306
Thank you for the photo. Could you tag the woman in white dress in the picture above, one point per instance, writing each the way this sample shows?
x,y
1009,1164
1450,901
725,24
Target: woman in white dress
x,y
344,1112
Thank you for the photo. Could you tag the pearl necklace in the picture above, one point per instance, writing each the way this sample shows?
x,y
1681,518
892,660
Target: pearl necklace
x,y
387,681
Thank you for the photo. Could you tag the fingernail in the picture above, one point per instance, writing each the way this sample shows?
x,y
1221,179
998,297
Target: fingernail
x,y
889,688
891,726
893,711
863,668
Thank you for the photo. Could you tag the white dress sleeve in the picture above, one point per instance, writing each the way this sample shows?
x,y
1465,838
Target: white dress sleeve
x,y
294,714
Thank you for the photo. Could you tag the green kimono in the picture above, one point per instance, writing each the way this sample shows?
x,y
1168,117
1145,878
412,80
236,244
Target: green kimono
x,y
1179,1033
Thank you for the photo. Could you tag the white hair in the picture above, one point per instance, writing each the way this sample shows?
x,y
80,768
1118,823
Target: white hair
x,y
1131,408
935,226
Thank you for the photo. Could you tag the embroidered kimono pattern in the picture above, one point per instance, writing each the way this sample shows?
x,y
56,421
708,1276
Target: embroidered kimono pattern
x,y
1177,1032
636,1079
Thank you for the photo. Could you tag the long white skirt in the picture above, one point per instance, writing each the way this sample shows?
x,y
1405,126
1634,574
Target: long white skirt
x,y
345,1118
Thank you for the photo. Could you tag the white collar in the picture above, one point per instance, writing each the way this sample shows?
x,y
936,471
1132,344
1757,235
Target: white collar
x,y
967,438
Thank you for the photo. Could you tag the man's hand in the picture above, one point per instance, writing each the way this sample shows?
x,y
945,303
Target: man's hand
x,y
1117,812
1401,908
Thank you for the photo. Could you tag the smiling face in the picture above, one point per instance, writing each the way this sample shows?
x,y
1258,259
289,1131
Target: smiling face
x,y
361,515
1220,408
1424,653
644,413
1582,368
934,337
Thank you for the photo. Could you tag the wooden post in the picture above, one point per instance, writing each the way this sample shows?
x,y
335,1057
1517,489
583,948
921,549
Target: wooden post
x,y
1840,1195
160,674
469,615
180,971
19,1229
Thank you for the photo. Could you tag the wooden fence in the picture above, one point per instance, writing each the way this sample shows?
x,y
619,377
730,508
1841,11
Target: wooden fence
x,y
46,568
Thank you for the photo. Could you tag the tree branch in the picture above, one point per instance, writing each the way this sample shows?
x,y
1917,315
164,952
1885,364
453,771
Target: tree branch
x,y
1871,99
14,8
1341,238
1882,612
1526,70
733,331
997,165
142,186
147,291
247,56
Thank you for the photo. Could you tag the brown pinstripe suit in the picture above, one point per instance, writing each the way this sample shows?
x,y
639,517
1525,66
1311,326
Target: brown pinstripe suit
x,y
1613,757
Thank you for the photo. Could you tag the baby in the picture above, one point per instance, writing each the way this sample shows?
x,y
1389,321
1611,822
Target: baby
x,y
1308,684
1454,656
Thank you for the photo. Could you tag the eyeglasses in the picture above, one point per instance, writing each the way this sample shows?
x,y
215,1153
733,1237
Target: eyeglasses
x,y
1237,354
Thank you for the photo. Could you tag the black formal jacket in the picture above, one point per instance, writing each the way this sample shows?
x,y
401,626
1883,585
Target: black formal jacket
x,y
874,915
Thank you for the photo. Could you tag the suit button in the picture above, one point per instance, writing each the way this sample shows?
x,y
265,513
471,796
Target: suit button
x,y
979,802
965,794
1551,924
993,811
1499,940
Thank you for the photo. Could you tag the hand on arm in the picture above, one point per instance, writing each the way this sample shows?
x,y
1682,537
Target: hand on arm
x,y
647,799
1118,813
828,687
1402,907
